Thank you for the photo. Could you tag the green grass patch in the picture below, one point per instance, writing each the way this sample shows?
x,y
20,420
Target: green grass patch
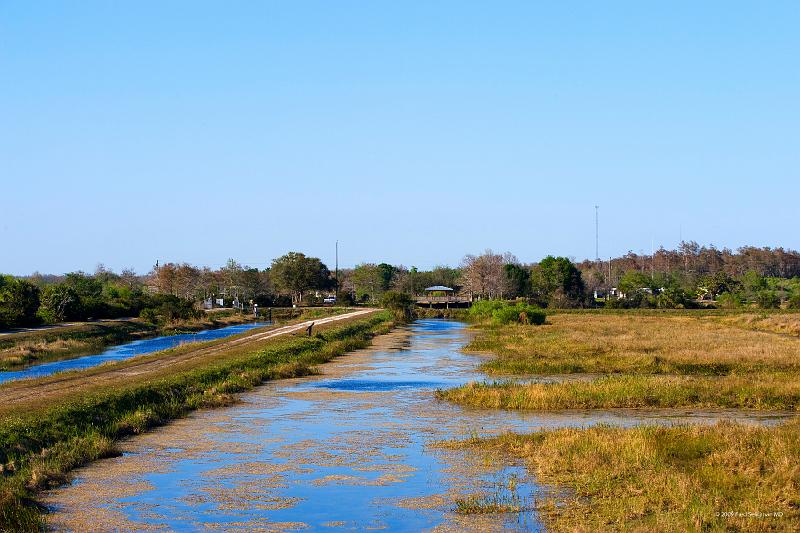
x,y
769,392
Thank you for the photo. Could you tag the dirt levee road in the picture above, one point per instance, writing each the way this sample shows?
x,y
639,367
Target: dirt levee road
x,y
17,394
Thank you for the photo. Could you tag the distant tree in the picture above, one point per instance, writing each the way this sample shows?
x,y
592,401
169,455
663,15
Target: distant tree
x,y
295,273
719,283
104,275
753,282
557,282
254,283
368,281
517,280
90,295
19,300
483,275
60,302
129,278
387,273
633,281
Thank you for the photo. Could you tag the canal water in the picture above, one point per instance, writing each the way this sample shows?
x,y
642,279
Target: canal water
x,y
126,351
352,449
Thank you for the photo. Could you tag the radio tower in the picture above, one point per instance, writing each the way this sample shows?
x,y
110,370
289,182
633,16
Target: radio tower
x,y
597,233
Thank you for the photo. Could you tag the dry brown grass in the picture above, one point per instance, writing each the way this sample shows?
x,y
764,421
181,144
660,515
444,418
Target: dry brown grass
x,y
786,324
639,344
726,477
29,350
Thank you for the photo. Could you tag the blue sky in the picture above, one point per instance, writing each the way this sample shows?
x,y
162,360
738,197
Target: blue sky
x,y
412,132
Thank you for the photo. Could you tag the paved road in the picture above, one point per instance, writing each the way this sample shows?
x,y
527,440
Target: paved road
x,y
18,393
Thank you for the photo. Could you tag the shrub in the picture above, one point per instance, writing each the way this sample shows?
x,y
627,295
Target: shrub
x,y
483,309
399,303
729,300
520,313
768,300
168,308
149,314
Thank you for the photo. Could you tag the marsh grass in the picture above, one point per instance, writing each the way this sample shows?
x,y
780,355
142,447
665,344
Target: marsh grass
x,y
681,478
650,361
502,496
642,344
768,392
786,324
39,447
487,504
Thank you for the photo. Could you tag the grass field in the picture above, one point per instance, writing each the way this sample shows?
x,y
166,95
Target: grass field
x,y
726,477
672,360
643,344
41,442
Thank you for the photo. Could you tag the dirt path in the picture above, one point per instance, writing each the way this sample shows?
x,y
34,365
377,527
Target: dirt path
x,y
18,393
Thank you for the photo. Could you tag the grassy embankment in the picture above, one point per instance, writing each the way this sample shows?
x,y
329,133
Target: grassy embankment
x,y
42,442
19,350
722,477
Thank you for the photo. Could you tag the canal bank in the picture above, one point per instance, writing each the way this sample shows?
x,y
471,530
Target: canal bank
x,y
52,425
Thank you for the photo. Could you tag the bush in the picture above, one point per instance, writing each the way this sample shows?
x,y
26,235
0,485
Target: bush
x,y
149,314
483,309
768,300
794,301
672,298
399,303
500,312
729,300
168,308
520,313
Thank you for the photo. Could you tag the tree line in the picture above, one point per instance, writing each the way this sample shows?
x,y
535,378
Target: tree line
x,y
169,292
687,276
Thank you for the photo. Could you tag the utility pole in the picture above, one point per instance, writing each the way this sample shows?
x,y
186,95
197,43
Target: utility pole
x,y
597,233
652,258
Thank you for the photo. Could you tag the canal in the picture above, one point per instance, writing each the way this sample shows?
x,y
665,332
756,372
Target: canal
x,y
126,351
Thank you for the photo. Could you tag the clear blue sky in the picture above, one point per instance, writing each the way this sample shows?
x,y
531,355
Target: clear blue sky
x,y
412,132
